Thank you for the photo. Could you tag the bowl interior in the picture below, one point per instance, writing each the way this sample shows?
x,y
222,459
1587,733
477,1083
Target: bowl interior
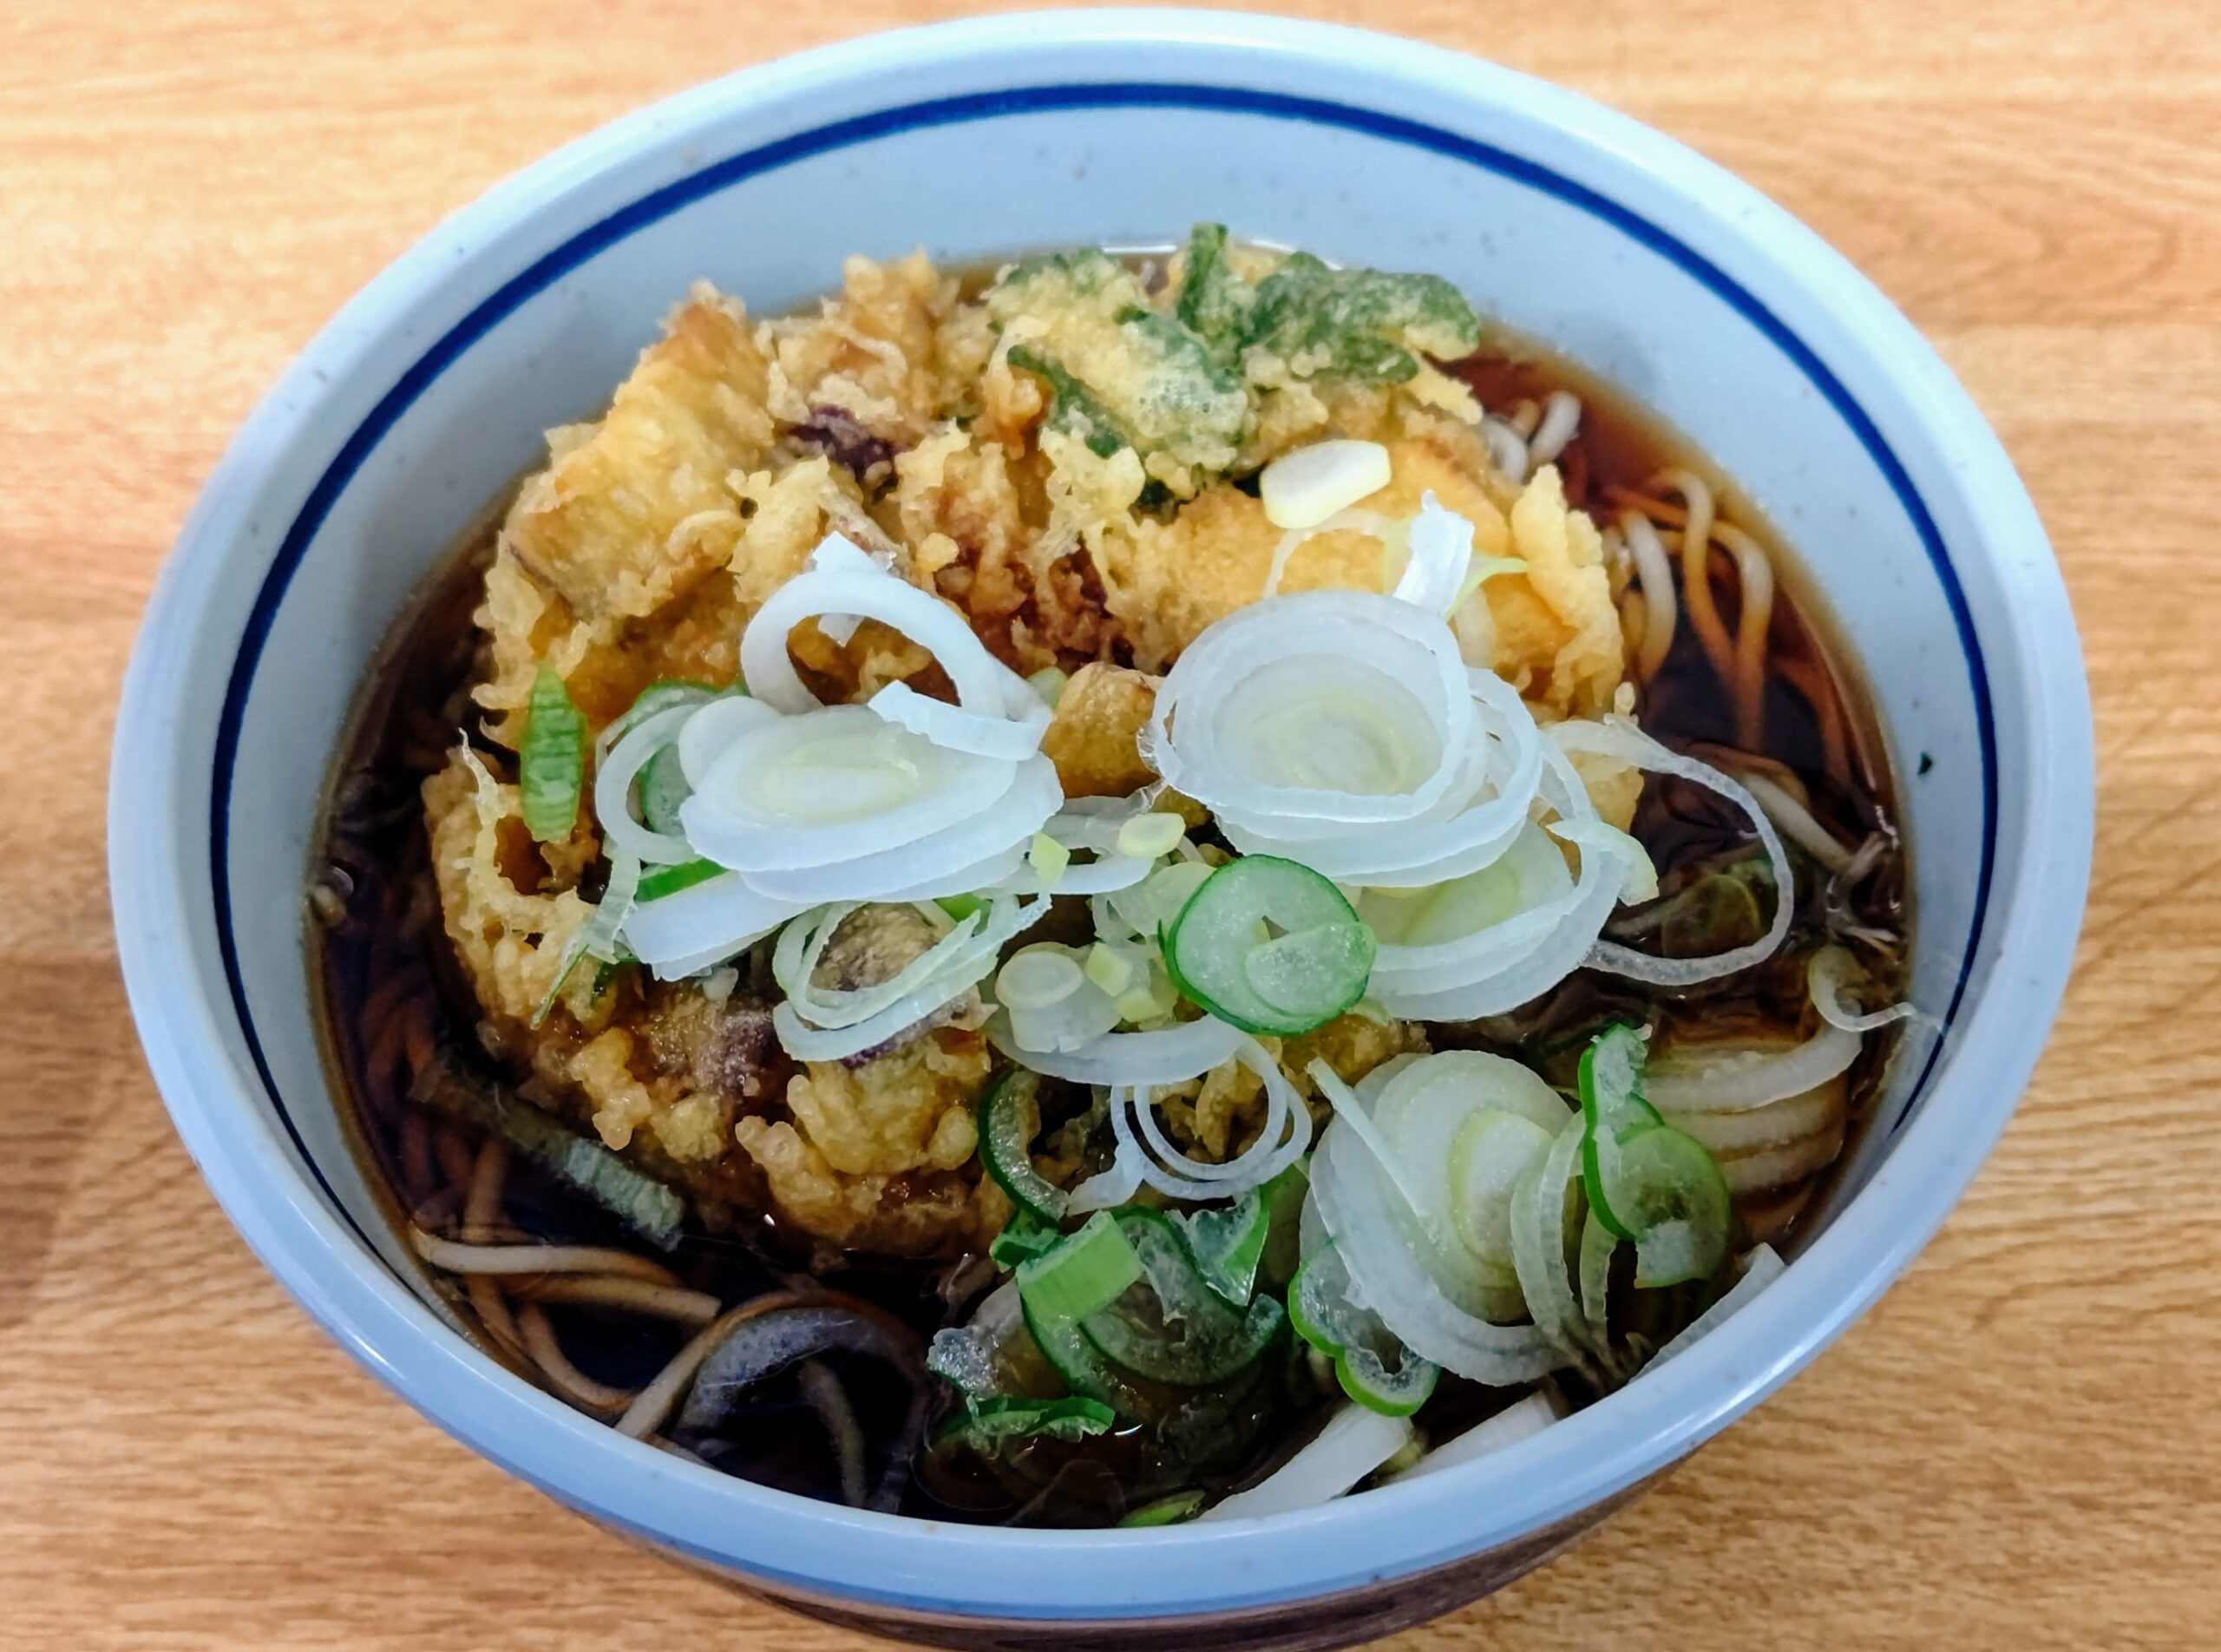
x,y
1568,224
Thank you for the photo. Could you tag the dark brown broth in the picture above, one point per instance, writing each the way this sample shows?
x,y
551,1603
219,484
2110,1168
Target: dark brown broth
x,y
388,966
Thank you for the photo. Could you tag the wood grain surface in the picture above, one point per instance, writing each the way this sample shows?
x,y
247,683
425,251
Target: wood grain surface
x,y
2018,1449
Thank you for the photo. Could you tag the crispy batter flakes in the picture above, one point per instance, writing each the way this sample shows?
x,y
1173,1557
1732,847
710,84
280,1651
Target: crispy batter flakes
x,y
904,414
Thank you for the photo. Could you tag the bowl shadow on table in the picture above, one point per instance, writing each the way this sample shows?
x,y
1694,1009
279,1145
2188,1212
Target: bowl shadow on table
x,y
1319,1623
68,1028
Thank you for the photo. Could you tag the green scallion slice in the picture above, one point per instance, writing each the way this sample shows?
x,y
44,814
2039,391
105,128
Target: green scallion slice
x,y
1001,1417
1270,947
660,696
1172,1511
1179,1330
1325,1314
1645,1181
647,1206
1025,1237
1229,1245
1680,1205
1009,1116
1081,1365
1082,1274
552,763
670,879
1613,1111
1284,1196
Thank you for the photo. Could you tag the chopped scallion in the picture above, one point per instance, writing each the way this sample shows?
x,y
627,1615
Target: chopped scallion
x,y
1025,1237
1081,1274
1166,1510
1009,1116
1109,969
670,879
1048,858
1147,836
1269,946
1001,1417
552,762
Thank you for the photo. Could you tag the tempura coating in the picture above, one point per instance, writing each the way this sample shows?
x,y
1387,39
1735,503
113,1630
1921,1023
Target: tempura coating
x,y
882,1157
1094,738
1090,511
634,510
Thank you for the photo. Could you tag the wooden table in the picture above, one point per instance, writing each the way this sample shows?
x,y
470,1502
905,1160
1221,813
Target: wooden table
x,y
2018,1449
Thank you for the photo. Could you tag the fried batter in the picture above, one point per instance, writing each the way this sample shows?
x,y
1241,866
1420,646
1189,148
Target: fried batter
x,y
983,453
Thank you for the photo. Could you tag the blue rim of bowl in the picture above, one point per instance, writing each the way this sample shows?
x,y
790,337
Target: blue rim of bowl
x,y
1065,95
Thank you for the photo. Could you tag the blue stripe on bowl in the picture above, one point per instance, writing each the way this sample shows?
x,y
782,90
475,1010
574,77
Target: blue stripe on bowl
x,y
985,106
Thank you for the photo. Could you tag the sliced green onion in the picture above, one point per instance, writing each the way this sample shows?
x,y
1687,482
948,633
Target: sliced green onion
x,y
1131,980
1021,1242
1049,683
552,762
1639,874
1648,1181
993,1353
1082,1274
661,783
1490,1151
647,1206
1319,1304
670,879
959,1357
1189,1336
1149,906
1003,1417
1172,1511
1037,976
1024,1237
1049,1003
1147,836
1283,1197
598,936
660,696
1229,1245
1142,1007
1081,1364
1009,1116
1110,970
1048,858
1322,1307
1293,973
1396,1391
1680,1203
663,788
1613,1110
1269,946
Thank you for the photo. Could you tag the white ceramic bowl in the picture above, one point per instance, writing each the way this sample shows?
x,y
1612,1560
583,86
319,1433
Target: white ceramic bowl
x,y
1572,223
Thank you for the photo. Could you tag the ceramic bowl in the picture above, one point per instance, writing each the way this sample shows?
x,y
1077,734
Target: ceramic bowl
x,y
1574,224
